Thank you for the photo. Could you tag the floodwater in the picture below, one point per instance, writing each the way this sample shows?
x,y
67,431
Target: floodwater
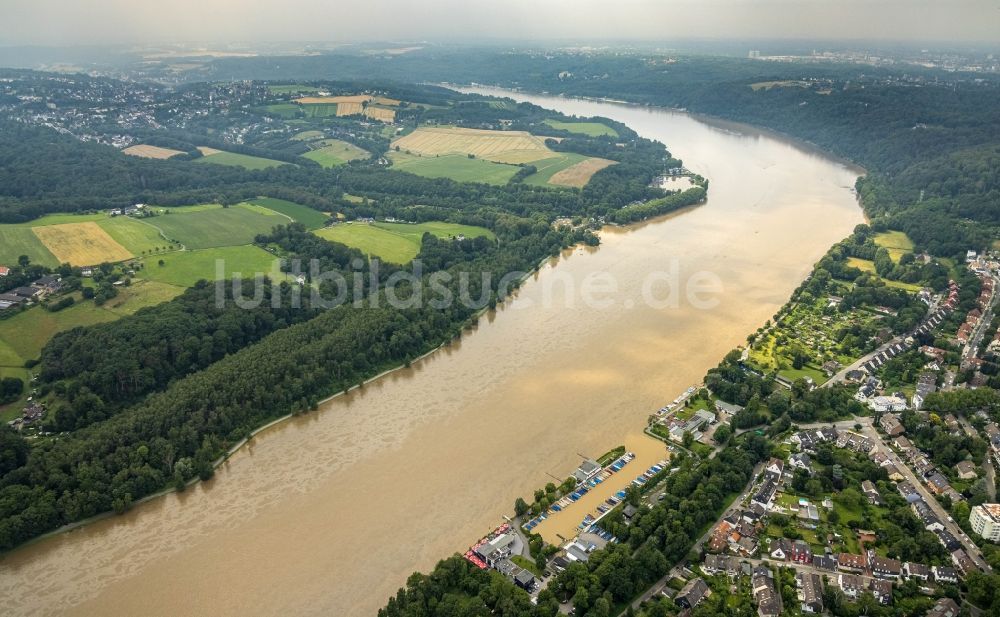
x,y
328,514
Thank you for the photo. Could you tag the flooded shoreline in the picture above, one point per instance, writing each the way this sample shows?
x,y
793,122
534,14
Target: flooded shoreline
x,y
329,512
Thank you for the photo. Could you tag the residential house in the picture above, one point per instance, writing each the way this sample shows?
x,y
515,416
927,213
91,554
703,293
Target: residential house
x,y
801,552
966,470
849,562
765,494
4,270
810,592
868,488
721,564
922,465
775,467
963,562
781,549
917,571
926,384
937,483
765,594
951,422
948,539
747,546
719,540
825,562
894,474
851,584
945,607
882,590
909,492
926,515
883,567
945,574
855,442
727,408
800,460
891,425
525,580
903,444
48,284
886,403
692,593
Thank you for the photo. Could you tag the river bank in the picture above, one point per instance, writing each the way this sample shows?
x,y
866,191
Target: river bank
x,y
310,517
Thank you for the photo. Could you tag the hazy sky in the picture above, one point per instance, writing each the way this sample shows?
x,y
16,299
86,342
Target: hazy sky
x,y
54,22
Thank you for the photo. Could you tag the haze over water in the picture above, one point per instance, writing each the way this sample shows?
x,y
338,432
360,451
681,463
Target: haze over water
x,y
328,514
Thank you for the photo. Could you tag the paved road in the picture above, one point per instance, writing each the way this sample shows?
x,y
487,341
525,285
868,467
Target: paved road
x,y
936,507
991,478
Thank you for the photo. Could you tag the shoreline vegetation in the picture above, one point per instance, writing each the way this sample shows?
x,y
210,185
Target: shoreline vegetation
x,y
471,323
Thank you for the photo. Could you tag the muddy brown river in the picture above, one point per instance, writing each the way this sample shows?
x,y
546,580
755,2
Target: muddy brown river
x,y
328,514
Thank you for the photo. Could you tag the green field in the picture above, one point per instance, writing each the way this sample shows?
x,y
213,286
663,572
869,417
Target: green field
x,y
336,152
292,89
319,110
286,111
308,135
457,167
591,129
185,268
312,219
134,235
239,160
865,265
16,241
550,167
27,332
23,335
217,226
896,242
395,242
140,294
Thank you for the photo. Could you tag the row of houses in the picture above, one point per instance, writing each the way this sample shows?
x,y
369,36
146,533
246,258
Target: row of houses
x,y
974,316
936,482
867,390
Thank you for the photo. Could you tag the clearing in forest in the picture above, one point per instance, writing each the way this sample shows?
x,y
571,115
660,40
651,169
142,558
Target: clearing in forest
x,y
151,152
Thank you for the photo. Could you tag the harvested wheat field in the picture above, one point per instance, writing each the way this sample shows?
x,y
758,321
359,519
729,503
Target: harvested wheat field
x,y
384,100
206,151
151,152
349,109
381,114
498,146
80,244
579,175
